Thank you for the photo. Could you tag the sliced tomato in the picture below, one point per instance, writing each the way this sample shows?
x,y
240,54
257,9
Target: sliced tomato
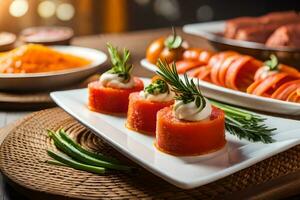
x,y
204,73
289,70
294,96
217,63
267,86
223,69
192,54
252,87
285,90
183,66
194,72
261,72
197,54
205,56
241,72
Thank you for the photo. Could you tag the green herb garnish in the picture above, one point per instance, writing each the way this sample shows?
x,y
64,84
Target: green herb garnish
x,y
73,155
120,64
245,124
158,86
239,122
272,63
173,41
185,91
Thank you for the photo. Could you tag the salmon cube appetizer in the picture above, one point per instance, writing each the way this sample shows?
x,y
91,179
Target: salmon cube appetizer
x,y
190,138
110,94
141,115
111,100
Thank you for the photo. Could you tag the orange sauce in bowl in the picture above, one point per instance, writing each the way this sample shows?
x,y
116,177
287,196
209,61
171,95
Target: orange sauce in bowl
x,y
34,58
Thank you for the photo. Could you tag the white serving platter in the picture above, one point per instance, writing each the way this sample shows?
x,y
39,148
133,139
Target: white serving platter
x,y
50,80
184,172
241,98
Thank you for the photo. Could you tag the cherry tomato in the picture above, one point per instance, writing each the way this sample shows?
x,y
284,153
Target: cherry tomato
x,y
170,55
154,50
168,49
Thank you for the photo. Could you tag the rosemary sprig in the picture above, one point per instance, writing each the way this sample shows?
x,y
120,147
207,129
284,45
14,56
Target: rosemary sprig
x,y
120,64
174,41
239,122
158,86
272,63
245,124
185,91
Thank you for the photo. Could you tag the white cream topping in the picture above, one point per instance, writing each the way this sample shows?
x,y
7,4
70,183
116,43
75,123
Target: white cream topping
x,y
266,72
161,97
190,112
113,80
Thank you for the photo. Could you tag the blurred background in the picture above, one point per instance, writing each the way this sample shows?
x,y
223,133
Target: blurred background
x,y
99,16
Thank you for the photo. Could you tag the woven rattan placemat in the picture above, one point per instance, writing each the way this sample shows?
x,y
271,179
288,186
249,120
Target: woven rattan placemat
x,y
22,157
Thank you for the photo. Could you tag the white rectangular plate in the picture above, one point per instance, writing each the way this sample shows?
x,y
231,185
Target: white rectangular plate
x,y
184,172
241,98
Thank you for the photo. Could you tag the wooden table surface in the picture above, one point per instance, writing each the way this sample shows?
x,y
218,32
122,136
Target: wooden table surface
x,y
137,42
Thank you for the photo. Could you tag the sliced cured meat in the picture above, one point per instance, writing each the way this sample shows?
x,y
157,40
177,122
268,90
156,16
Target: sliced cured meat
x,y
285,36
258,29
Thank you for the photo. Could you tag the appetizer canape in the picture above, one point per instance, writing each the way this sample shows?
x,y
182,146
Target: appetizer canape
x,y
110,94
169,49
144,105
192,126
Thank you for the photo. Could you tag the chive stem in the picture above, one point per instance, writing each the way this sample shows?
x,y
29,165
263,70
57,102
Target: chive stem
x,y
65,137
73,152
233,110
74,164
